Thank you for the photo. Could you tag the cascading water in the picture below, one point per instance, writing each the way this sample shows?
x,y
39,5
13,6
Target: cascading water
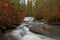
x,y
22,33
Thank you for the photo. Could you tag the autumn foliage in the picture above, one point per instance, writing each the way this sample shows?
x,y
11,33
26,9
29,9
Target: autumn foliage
x,y
9,16
48,10
52,12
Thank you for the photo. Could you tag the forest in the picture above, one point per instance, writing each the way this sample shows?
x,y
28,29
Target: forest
x,y
49,10
45,16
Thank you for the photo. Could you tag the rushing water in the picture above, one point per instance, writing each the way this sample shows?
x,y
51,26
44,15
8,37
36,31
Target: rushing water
x,y
22,33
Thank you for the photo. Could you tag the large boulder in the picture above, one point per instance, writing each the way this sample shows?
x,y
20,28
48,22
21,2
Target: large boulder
x,y
45,29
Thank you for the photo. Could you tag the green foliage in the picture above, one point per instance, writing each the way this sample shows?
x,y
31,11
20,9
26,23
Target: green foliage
x,y
15,3
47,9
42,20
51,10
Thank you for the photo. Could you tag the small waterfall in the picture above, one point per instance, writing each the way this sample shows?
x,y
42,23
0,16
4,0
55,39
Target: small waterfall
x,y
22,33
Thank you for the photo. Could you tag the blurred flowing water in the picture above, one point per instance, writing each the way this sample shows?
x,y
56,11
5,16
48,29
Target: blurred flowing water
x,y
22,33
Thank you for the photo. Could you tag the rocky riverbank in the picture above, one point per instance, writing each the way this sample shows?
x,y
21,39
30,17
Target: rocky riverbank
x,y
46,29
23,32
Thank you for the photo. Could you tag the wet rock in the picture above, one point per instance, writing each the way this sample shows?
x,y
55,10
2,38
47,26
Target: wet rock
x,y
45,29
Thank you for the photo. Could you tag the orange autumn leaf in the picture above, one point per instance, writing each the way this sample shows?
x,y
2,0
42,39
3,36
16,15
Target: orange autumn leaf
x,y
13,16
6,5
18,12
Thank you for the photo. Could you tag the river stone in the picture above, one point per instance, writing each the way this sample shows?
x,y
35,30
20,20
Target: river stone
x,y
45,29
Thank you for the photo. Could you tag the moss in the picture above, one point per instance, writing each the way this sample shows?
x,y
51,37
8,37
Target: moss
x,y
42,20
